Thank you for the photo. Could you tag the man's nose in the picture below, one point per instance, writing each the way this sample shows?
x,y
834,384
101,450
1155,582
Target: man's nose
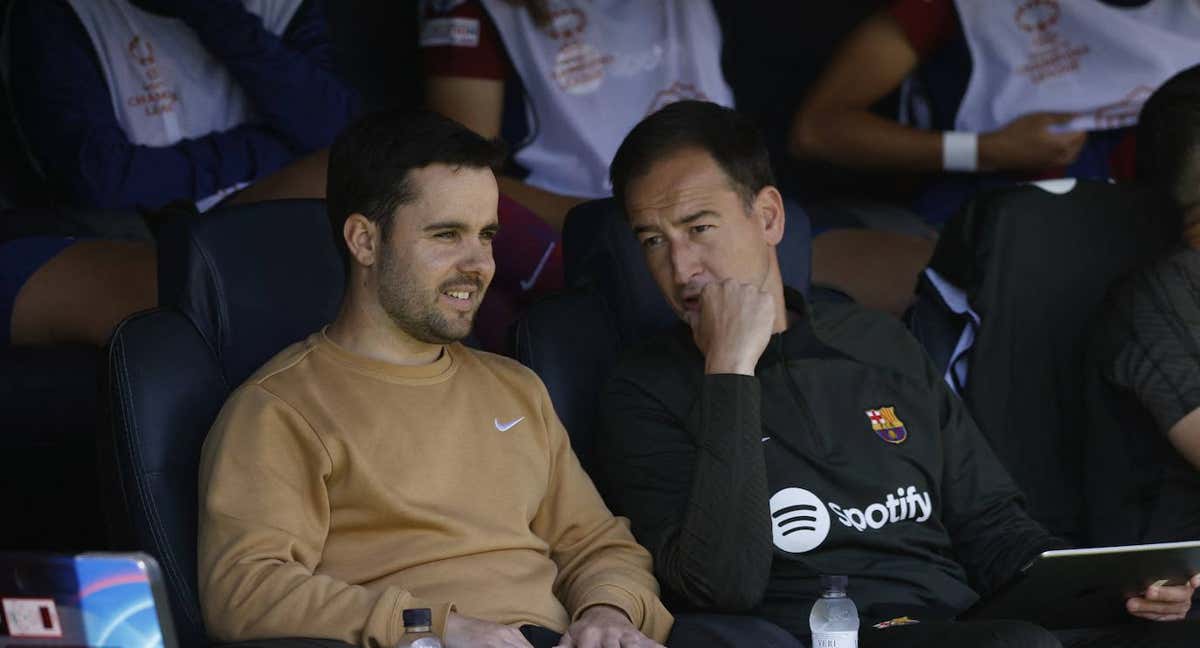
x,y
477,258
685,263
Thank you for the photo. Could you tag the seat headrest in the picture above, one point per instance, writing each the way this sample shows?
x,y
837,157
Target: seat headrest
x,y
601,252
252,278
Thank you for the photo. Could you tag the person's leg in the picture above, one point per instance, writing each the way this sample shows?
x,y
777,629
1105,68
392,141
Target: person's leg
x,y
1135,635
303,178
728,631
878,269
967,634
78,295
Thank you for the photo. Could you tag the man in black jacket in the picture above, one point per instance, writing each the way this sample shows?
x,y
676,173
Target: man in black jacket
x,y
770,441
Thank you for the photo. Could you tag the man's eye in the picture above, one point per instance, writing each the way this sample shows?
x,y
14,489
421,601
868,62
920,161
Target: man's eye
x,y
696,229
652,241
446,236
487,235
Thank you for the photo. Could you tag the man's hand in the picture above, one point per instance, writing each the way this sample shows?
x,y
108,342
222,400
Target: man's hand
x,y
733,326
1028,144
603,626
1164,602
466,632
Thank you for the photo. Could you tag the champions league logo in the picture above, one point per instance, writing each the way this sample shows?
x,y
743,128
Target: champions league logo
x,y
141,51
1038,15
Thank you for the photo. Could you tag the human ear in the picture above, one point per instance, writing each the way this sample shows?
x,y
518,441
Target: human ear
x,y
768,209
362,239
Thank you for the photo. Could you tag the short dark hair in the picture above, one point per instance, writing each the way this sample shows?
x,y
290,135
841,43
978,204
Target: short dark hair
x,y
732,139
370,161
1168,139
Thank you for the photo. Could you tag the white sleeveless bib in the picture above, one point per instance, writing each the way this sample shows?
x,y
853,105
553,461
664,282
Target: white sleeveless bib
x,y
165,86
1077,56
596,71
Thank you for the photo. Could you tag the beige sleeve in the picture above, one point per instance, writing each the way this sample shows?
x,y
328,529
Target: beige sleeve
x,y
598,559
264,516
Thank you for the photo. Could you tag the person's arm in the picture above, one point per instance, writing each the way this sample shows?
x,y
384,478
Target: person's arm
x,y
599,562
695,487
1185,436
477,104
264,517
290,80
66,114
465,81
835,122
984,511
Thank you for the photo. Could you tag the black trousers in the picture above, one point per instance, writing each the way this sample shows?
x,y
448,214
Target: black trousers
x,y
727,631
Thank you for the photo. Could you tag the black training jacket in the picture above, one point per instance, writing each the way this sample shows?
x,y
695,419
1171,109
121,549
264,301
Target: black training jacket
x,y
844,454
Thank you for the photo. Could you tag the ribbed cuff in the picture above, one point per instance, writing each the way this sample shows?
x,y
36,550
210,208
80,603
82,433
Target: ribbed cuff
x,y
614,596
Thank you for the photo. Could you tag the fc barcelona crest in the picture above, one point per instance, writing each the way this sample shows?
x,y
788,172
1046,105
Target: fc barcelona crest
x,y
886,425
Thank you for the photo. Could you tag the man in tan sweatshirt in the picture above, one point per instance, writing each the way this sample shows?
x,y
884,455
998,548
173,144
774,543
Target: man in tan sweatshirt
x,y
380,465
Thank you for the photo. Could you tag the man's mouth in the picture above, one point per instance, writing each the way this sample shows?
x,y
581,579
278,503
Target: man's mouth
x,y
461,297
691,303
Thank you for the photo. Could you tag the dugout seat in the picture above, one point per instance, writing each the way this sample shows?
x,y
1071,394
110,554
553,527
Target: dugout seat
x,y
236,286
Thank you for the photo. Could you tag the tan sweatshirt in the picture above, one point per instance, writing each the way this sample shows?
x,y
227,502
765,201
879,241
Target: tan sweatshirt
x,y
336,491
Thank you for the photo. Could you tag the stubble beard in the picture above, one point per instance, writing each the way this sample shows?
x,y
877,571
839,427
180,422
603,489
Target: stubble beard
x,y
413,309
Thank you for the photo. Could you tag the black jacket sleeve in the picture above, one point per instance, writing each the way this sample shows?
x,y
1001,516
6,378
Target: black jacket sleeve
x,y
290,80
693,483
985,514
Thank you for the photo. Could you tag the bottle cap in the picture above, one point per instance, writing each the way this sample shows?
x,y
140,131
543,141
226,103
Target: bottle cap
x,y
831,584
417,617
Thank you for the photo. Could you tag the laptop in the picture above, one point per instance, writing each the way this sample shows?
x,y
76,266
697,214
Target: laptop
x,y
111,600
1087,588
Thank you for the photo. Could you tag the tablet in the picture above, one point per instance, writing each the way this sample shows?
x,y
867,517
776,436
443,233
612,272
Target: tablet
x,y
1084,588
88,600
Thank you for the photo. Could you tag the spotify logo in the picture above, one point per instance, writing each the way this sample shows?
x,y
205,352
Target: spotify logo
x,y
799,521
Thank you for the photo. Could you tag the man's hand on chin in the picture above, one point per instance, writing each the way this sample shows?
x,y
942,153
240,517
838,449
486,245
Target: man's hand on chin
x,y
604,626
1164,602
732,327
467,632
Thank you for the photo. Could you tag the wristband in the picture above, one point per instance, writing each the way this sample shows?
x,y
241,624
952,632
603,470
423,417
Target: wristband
x,y
960,151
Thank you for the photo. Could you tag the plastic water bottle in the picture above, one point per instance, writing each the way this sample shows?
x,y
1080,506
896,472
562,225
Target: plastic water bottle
x,y
834,619
418,630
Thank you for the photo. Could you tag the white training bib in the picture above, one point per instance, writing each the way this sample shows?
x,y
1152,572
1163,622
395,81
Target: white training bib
x,y
1098,61
598,69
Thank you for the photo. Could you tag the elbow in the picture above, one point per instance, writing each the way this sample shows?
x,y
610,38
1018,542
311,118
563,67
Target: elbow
x,y
724,586
804,136
100,178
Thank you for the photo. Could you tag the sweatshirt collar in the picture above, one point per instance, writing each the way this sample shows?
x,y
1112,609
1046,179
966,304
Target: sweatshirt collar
x,y
431,372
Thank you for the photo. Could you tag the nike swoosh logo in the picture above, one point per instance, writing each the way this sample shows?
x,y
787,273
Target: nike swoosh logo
x,y
765,439
526,284
505,427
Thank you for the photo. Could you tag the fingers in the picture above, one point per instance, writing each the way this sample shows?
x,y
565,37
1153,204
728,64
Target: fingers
x,y
1164,602
1169,593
